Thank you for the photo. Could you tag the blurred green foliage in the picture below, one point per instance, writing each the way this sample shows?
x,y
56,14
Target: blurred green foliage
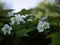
x,y
25,11
55,38
48,9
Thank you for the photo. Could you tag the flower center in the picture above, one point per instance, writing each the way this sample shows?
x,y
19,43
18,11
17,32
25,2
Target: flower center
x,y
7,30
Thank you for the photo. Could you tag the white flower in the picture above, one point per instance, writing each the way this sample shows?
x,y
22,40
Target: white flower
x,y
20,18
42,26
17,19
14,20
6,29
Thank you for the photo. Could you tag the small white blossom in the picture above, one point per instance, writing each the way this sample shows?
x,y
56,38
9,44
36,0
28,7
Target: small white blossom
x,y
17,19
42,26
6,29
20,18
40,30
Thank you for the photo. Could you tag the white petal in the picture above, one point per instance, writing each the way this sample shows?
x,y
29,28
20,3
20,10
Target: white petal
x,y
3,29
40,27
4,32
6,25
10,28
40,30
22,20
17,16
12,21
23,16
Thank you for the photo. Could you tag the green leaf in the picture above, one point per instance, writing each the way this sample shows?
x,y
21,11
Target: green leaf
x,y
55,38
22,32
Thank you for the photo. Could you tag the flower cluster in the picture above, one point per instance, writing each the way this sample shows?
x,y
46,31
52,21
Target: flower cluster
x,y
14,19
43,25
17,19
